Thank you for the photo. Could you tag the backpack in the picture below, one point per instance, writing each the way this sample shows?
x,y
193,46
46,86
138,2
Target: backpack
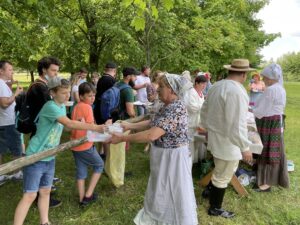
x,y
24,122
110,101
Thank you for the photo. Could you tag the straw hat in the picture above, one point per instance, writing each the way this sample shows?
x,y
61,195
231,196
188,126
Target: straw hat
x,y
240,65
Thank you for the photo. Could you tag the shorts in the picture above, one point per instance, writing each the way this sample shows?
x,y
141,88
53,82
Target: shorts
x,y
83,159
38,175
10,139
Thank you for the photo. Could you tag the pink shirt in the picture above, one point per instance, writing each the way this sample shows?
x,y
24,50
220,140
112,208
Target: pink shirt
x,y
260,86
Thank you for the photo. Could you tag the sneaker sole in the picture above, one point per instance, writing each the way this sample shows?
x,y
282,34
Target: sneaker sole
x,y
59,204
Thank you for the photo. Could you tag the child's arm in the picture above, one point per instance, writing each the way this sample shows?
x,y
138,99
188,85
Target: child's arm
x,y
73,124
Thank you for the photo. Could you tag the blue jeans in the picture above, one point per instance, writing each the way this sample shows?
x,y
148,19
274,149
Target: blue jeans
x,y
10,139
141,109
38,175
86,158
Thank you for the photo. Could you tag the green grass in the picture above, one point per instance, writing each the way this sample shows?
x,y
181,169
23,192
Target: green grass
x,y
119,206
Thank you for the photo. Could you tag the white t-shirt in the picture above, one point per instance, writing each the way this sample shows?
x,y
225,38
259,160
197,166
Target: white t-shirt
x,y
142,93
73,91
7,115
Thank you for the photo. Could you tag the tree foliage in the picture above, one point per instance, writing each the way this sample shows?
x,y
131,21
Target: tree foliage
x,y
290,64
172,35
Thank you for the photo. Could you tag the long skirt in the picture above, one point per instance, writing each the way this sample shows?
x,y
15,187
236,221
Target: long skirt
x,y
272,163
170,198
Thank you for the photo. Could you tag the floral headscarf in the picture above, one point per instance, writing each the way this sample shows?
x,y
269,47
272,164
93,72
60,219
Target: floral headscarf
x,y
179,84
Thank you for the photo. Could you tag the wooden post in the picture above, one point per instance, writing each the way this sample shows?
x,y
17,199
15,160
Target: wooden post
x,y
240,189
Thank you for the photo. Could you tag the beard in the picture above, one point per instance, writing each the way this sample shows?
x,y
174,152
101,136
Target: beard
x,y
131,83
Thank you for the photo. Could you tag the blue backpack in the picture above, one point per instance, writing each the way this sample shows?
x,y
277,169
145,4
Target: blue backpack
x,y
110,101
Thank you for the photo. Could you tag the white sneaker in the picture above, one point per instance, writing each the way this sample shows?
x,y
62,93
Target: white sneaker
x,y
17,176
3,179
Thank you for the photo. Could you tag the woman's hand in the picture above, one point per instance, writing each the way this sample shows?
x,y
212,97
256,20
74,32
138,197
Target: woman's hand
x,y
116,138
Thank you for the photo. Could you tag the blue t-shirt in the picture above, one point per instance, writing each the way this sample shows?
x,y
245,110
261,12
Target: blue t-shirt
x,y
48,129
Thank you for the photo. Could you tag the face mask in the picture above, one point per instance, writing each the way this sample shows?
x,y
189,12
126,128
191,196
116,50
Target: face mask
x,y
47,77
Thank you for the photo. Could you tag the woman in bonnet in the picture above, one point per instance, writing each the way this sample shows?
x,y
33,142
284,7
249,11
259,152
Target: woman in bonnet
x,y
272,163
170,198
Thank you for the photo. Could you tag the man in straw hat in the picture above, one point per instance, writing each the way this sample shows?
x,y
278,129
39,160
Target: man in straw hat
x,y
223,115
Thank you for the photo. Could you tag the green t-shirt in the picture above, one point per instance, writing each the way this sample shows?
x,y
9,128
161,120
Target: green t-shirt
x,y
126,95
48,129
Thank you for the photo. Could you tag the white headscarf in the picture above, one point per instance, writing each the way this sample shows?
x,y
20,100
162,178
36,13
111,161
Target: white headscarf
x,y
187,75
179,84
274,72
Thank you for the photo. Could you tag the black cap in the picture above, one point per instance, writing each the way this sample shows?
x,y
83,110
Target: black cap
x,y
111,65
130,71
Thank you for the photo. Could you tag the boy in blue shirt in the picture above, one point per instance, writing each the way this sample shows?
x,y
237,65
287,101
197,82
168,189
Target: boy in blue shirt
x,y
38,177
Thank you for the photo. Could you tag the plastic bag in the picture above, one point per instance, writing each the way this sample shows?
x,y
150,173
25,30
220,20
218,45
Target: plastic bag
x,y
115,163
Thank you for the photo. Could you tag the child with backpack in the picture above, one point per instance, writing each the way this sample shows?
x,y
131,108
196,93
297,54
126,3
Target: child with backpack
x,y
38,177
86,154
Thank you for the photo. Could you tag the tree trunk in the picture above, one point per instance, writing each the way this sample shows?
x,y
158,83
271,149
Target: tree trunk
x,y
93,59
31,76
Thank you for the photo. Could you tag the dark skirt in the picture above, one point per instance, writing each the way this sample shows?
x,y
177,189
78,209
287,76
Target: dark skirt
x,y
272,163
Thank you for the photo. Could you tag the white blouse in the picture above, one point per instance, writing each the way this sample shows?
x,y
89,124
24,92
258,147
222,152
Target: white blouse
x,y
272,102
193,103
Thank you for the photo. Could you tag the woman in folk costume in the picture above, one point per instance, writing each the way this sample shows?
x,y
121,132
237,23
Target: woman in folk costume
x,y
170,198
194,99
272,164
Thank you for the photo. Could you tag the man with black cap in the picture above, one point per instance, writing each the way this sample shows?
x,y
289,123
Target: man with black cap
x,y
126,93
224,116
105,82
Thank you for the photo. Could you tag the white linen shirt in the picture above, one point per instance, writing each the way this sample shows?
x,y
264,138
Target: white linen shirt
x,y
142,92
7,115
224,115
272,102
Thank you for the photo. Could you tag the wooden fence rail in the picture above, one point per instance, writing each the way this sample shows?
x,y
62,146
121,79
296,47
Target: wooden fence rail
x,y
27,160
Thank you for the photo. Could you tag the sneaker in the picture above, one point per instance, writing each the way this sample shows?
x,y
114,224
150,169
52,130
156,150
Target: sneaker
x,y
3,178
53,188
2,182
53,203
17,176
56,180
220,212
88,200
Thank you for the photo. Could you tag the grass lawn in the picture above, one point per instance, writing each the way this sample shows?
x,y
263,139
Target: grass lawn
x,y
119,206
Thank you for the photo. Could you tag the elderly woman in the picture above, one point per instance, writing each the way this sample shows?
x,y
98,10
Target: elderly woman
x,y
193,99
169,198
272,164
256,88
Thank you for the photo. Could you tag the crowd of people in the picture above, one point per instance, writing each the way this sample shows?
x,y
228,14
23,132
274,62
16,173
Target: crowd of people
x,y
181,105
